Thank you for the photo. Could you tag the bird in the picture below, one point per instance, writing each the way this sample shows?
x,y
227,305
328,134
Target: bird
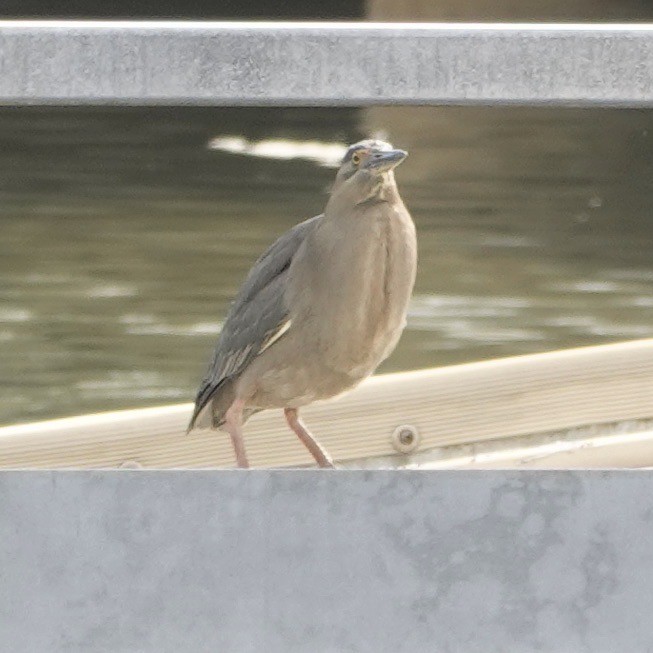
x,y
320,309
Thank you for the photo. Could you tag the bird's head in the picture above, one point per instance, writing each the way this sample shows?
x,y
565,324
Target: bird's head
x,y
366,169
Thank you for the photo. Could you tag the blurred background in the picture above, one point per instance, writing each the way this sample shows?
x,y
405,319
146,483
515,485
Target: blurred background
x,y
126,232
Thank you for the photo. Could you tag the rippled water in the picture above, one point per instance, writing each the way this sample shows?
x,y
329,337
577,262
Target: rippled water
x,y
124,235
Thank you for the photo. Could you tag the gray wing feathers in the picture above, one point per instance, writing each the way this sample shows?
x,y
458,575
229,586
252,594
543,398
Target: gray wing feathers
x,y
256,317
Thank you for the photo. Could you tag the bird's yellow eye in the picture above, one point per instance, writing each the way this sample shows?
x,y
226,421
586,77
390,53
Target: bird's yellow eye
x,y
356,158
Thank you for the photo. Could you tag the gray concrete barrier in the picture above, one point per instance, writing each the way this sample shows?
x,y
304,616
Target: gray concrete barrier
x,y
316,561
95,62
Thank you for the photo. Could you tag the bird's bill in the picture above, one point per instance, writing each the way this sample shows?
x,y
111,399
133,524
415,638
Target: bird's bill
x,y
384,161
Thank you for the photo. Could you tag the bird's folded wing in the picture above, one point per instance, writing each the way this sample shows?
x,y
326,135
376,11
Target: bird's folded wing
x,y
258,316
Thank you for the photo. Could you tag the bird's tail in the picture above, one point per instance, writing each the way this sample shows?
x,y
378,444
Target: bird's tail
x,y
205,418
204,414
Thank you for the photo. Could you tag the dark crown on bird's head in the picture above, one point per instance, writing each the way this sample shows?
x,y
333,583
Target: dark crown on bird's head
x,y
368,143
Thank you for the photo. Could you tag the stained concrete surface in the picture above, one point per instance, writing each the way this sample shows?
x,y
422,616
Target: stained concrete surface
x,y
315,561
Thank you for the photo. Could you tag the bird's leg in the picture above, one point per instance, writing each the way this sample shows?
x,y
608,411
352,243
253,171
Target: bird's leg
x,y
296,424
234,425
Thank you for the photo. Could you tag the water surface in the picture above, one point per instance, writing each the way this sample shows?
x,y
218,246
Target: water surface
x,y
123,237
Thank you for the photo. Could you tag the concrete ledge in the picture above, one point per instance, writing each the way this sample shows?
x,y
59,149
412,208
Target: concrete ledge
x,y
483,562
212,63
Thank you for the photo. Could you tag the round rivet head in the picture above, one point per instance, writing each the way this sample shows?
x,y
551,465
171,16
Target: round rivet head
x,y
405,438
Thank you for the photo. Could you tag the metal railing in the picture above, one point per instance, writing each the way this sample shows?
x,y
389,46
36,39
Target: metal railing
x,y
95,62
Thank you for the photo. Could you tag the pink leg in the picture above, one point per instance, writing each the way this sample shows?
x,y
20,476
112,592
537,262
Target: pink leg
x,y
234,425
296,424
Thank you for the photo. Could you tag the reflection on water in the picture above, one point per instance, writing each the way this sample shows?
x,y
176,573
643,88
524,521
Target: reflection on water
x,y
124,236
327,154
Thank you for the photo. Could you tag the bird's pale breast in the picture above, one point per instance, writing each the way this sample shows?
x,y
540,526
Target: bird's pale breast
x,y
349,287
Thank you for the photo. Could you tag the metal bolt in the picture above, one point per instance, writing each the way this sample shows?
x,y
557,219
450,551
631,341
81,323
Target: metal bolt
x,y
405,438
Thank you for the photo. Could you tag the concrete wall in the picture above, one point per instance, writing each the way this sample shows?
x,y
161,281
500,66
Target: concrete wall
x,y
457,562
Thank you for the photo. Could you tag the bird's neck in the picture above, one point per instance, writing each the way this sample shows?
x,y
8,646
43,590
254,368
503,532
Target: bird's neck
x,y
363,190
383,190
